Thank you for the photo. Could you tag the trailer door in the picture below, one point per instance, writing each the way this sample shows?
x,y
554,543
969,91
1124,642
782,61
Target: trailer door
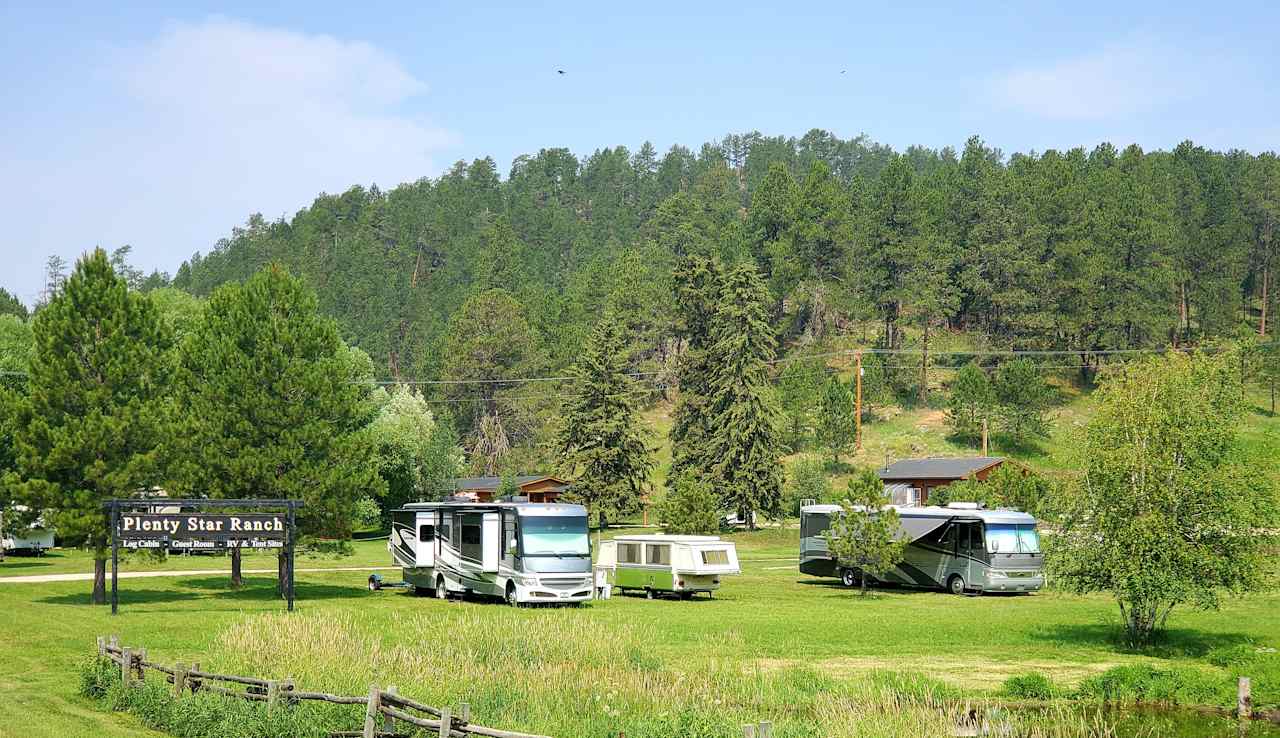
x,y
491,548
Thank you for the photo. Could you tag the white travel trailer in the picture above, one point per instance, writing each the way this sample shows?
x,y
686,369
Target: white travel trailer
x,y
32,538
519,551
661,563
960,548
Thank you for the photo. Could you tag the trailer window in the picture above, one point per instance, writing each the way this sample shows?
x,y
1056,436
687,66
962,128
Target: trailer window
x,y
716,556
659,554
628,553
426,533
446,528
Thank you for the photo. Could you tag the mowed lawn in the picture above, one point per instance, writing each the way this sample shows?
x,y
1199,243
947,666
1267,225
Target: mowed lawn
x,y
788,639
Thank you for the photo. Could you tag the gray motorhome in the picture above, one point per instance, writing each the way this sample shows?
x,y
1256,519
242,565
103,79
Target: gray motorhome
x,y
960,548
522,552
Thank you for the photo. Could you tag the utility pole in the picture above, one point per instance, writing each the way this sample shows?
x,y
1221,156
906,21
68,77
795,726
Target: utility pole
x,y
984,436
857,416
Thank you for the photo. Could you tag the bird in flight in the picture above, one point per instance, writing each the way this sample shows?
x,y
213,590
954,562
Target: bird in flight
x,y
560,71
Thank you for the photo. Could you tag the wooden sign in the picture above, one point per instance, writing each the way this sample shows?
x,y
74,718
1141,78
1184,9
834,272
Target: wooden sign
x,y
201,527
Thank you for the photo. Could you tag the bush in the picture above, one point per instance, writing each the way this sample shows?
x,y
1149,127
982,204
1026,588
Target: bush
x,y
1029,686
806,480
691,507
1145,683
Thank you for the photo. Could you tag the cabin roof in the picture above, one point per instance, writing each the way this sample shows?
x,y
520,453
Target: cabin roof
x,y
938,467
492,483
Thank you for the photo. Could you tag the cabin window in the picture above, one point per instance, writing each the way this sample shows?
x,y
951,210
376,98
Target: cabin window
x,y
426,533
716,557
471,537
628,553
660,554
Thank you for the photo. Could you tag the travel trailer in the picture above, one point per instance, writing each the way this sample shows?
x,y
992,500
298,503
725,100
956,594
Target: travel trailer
x,y
960,548
32,538
522,552
656,564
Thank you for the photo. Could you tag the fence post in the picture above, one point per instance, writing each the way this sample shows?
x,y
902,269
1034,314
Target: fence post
x,y
388,722
371,712
102,646
446,722
273,692
464,712
748,731
766,729
126,665
1244,699
179,678
193,682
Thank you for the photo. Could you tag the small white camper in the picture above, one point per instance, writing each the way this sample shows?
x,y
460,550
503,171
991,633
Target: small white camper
x,y
661,563
33,538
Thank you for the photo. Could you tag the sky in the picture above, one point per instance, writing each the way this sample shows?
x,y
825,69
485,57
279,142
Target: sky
x,y
164,125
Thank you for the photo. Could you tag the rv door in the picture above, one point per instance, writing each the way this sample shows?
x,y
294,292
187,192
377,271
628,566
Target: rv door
x,y
491,535
426,539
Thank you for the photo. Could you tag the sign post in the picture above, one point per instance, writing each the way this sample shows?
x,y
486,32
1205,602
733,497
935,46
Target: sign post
x,y
182,525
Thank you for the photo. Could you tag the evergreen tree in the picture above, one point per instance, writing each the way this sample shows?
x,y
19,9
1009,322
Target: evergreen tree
x,y
269,403
972,401
799,393
867,535
837,418
601,441
690,507
1023,398
743,442
11,305
90,426
697,295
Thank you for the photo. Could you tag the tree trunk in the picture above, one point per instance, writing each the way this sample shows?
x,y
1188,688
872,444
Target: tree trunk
x,y
924,366
99,581
1184,321
862,583
1262,327
236,579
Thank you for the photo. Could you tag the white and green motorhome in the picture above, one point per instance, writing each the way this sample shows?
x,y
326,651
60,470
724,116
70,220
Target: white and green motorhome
x,y
960,548
658,563
520,551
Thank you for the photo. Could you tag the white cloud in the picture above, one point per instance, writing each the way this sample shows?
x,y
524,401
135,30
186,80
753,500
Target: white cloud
x,y
175,140
1119,80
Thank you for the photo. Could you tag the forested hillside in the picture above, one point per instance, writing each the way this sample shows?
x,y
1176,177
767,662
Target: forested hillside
x,y
1100,249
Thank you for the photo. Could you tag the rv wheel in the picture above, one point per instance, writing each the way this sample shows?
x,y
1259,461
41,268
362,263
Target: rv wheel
x,y
511,594
956,584
373,583
441,592
848,578
648,593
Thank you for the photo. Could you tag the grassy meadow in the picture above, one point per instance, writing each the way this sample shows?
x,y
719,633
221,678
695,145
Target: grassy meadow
x,y
772,645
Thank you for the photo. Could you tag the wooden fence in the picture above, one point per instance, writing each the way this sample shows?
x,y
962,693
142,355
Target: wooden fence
x,y
383,707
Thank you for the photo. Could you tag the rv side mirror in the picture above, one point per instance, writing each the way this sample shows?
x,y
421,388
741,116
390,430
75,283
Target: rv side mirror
x,y
511,546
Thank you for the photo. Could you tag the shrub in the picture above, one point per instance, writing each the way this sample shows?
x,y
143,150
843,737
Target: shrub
x,y
1145,683
1029,686
806,480
690,507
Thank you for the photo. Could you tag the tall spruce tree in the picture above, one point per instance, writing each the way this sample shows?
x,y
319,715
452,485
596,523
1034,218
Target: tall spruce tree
x,y
698,282
90,426
972,400
269,403
602,443
837,418
744,442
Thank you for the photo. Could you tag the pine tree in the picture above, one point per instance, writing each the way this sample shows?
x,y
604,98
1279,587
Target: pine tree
x,y
602,444
867,534
972,400
11,305
269,403
90,429
698,282
837,417
744,444
799,393
1023,398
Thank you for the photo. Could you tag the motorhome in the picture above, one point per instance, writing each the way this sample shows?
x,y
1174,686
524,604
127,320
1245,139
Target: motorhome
x,y
961,548
522,552
655,564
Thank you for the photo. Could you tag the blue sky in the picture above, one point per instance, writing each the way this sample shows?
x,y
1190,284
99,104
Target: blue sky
x,y
163,126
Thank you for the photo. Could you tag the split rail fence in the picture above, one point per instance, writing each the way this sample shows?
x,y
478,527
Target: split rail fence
x,y
383,707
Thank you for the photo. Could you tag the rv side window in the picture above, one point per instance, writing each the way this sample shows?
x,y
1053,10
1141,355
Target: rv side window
x,y
948,542
628,553
426,533
659,554
716,556
446,527
471,537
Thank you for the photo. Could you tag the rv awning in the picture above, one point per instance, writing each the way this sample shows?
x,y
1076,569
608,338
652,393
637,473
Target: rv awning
x,y
916,527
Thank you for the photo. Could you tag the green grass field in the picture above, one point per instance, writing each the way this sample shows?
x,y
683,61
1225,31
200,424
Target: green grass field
x,y
773,645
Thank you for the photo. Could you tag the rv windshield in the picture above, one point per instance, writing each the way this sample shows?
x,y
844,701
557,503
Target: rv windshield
x,y
555,535
1004,538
